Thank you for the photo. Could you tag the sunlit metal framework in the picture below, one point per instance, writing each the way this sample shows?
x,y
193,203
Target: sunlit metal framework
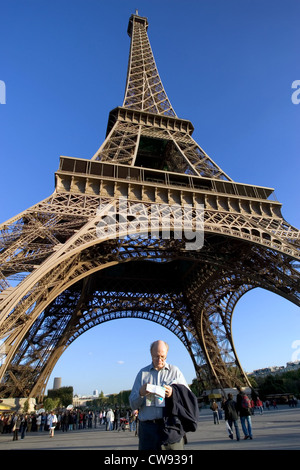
x,y
74,261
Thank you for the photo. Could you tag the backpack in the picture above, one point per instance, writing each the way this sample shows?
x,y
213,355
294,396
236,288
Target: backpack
x,y
246,402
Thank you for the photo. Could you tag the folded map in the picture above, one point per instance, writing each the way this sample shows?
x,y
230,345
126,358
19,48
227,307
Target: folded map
x,y
156,389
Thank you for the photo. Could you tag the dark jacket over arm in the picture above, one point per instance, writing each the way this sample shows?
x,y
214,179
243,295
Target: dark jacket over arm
x,y
181,414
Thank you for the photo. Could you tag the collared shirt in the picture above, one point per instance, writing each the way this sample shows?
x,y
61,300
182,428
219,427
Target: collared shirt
x,y
167,376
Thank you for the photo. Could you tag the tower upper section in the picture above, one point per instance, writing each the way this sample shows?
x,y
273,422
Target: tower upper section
x,y
144,89
145,131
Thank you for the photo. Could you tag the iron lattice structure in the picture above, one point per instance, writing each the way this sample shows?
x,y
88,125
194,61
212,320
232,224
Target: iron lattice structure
x,y
80,262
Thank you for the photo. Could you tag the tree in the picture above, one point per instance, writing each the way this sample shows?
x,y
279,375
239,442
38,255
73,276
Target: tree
x,y
51,403
196,388
26,407
286,382
65,394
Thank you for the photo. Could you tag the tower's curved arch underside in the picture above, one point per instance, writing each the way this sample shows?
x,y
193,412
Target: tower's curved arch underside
x,y
210,287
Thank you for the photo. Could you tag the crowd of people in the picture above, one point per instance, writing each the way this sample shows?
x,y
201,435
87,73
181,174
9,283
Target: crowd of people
x,y
18,424
117,419
241,410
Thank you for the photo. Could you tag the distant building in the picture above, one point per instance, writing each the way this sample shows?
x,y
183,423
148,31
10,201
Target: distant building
x,y
80,400
293,365
275,369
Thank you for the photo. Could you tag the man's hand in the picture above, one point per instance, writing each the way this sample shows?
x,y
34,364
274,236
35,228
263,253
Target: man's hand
x,y
169,391
143,390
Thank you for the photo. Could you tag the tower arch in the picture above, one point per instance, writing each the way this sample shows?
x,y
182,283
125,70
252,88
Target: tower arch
x,y
150,160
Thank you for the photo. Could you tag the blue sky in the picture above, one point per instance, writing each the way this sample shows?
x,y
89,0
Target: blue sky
x,y
228,66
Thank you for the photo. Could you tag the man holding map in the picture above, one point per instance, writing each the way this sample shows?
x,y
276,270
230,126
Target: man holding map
x,y
158,388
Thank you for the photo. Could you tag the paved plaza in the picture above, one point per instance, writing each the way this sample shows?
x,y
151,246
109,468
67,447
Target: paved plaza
x,y
273,430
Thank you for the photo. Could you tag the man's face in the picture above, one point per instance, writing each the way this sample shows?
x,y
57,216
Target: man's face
x,y
159,356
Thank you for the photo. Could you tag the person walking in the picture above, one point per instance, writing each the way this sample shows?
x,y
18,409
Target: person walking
x,y
259,405
23,426
215,409
231,416
16,423
117,414
110,417
244,410
52,423
38,422
136,412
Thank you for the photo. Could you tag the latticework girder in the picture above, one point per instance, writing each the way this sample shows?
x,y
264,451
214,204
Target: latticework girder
x,y
111,243
144,89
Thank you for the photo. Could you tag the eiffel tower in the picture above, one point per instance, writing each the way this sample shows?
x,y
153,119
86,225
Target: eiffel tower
x,y
86,255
